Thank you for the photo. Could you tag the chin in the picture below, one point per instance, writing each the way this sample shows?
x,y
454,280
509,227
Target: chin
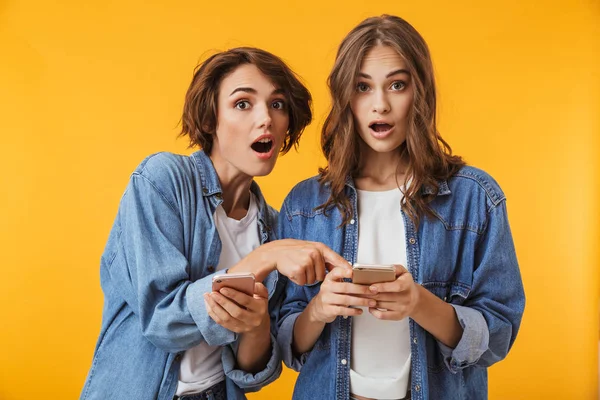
x,y
263,173
383,148
262,170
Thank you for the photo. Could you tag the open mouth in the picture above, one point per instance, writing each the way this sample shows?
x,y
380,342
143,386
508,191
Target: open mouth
x,y
380,127
263,145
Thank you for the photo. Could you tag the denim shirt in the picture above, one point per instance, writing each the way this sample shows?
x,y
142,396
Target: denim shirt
x,y
464,255
158,262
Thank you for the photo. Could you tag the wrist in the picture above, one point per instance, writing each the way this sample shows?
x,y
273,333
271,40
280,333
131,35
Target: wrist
x,y
258,262
311,313
420,299
264,262
261,331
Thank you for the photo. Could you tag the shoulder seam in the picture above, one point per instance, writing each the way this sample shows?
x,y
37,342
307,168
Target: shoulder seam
x,y
158,191
490,192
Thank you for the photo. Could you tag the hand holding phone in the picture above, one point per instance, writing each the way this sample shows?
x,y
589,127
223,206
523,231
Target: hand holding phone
x,y
244,308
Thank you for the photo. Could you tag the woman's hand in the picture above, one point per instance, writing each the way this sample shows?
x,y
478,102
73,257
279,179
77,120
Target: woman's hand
x,y
239,312
395,300
301,261
404,298
337,297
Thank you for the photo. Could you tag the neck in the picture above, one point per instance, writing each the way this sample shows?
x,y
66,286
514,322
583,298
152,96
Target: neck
x,y
235,186
380,171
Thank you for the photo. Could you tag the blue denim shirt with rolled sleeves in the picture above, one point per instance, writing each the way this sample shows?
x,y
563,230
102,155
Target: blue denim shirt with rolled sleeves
x,y
464,255
157,264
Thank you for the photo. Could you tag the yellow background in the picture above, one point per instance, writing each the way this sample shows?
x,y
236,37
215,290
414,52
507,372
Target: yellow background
x,y
89,88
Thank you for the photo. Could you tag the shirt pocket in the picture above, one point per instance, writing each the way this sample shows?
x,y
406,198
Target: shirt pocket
x,y
450,292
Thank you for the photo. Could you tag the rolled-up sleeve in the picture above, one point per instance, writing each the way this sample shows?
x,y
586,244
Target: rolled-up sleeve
x,y
247,381
150,271
491,315
473,343
284,340
252,382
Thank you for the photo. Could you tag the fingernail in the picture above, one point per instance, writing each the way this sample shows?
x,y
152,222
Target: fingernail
x,y
373,289
225,292
372,303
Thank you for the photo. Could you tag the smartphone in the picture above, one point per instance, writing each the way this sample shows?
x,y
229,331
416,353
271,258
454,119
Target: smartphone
x,y
366,274
241,281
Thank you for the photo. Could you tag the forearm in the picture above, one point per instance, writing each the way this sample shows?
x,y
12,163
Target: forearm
x,y
254,350
306,331
256,262
437,317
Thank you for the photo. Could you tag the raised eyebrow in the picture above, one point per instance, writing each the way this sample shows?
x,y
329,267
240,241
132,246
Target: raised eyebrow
x,y
396,72
243,89
253,91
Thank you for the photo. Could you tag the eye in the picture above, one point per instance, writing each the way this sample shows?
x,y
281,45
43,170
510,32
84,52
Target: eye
x,y
242,105
398,85
278,105
362,87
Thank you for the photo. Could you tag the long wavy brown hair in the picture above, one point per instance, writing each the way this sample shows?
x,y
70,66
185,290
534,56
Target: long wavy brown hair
x,y
429,157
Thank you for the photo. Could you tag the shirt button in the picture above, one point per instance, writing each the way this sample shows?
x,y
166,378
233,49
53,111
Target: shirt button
x,y
219,196
352,221
445,298
344,362
204,190
211,268
415,340
418,388
345,317
412,241
178,357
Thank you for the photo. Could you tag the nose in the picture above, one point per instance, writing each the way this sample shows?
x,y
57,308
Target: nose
x,y
263,117
381,105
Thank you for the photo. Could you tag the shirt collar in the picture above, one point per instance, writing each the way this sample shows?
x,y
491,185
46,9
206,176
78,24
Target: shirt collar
x,y
212,186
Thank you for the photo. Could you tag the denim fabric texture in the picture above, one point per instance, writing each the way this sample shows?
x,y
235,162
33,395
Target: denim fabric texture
x,y
464,255
157,264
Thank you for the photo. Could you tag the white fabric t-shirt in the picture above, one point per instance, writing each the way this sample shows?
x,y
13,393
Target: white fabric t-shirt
x,y
380,366
201,365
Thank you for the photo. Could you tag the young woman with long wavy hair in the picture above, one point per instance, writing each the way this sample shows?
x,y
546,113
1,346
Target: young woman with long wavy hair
x,y
393,193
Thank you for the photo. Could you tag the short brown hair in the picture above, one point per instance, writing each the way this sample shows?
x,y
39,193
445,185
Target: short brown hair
x,y
430,158
199,120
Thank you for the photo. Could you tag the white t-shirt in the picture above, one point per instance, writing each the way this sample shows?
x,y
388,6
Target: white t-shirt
x,y
201,365
380,366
